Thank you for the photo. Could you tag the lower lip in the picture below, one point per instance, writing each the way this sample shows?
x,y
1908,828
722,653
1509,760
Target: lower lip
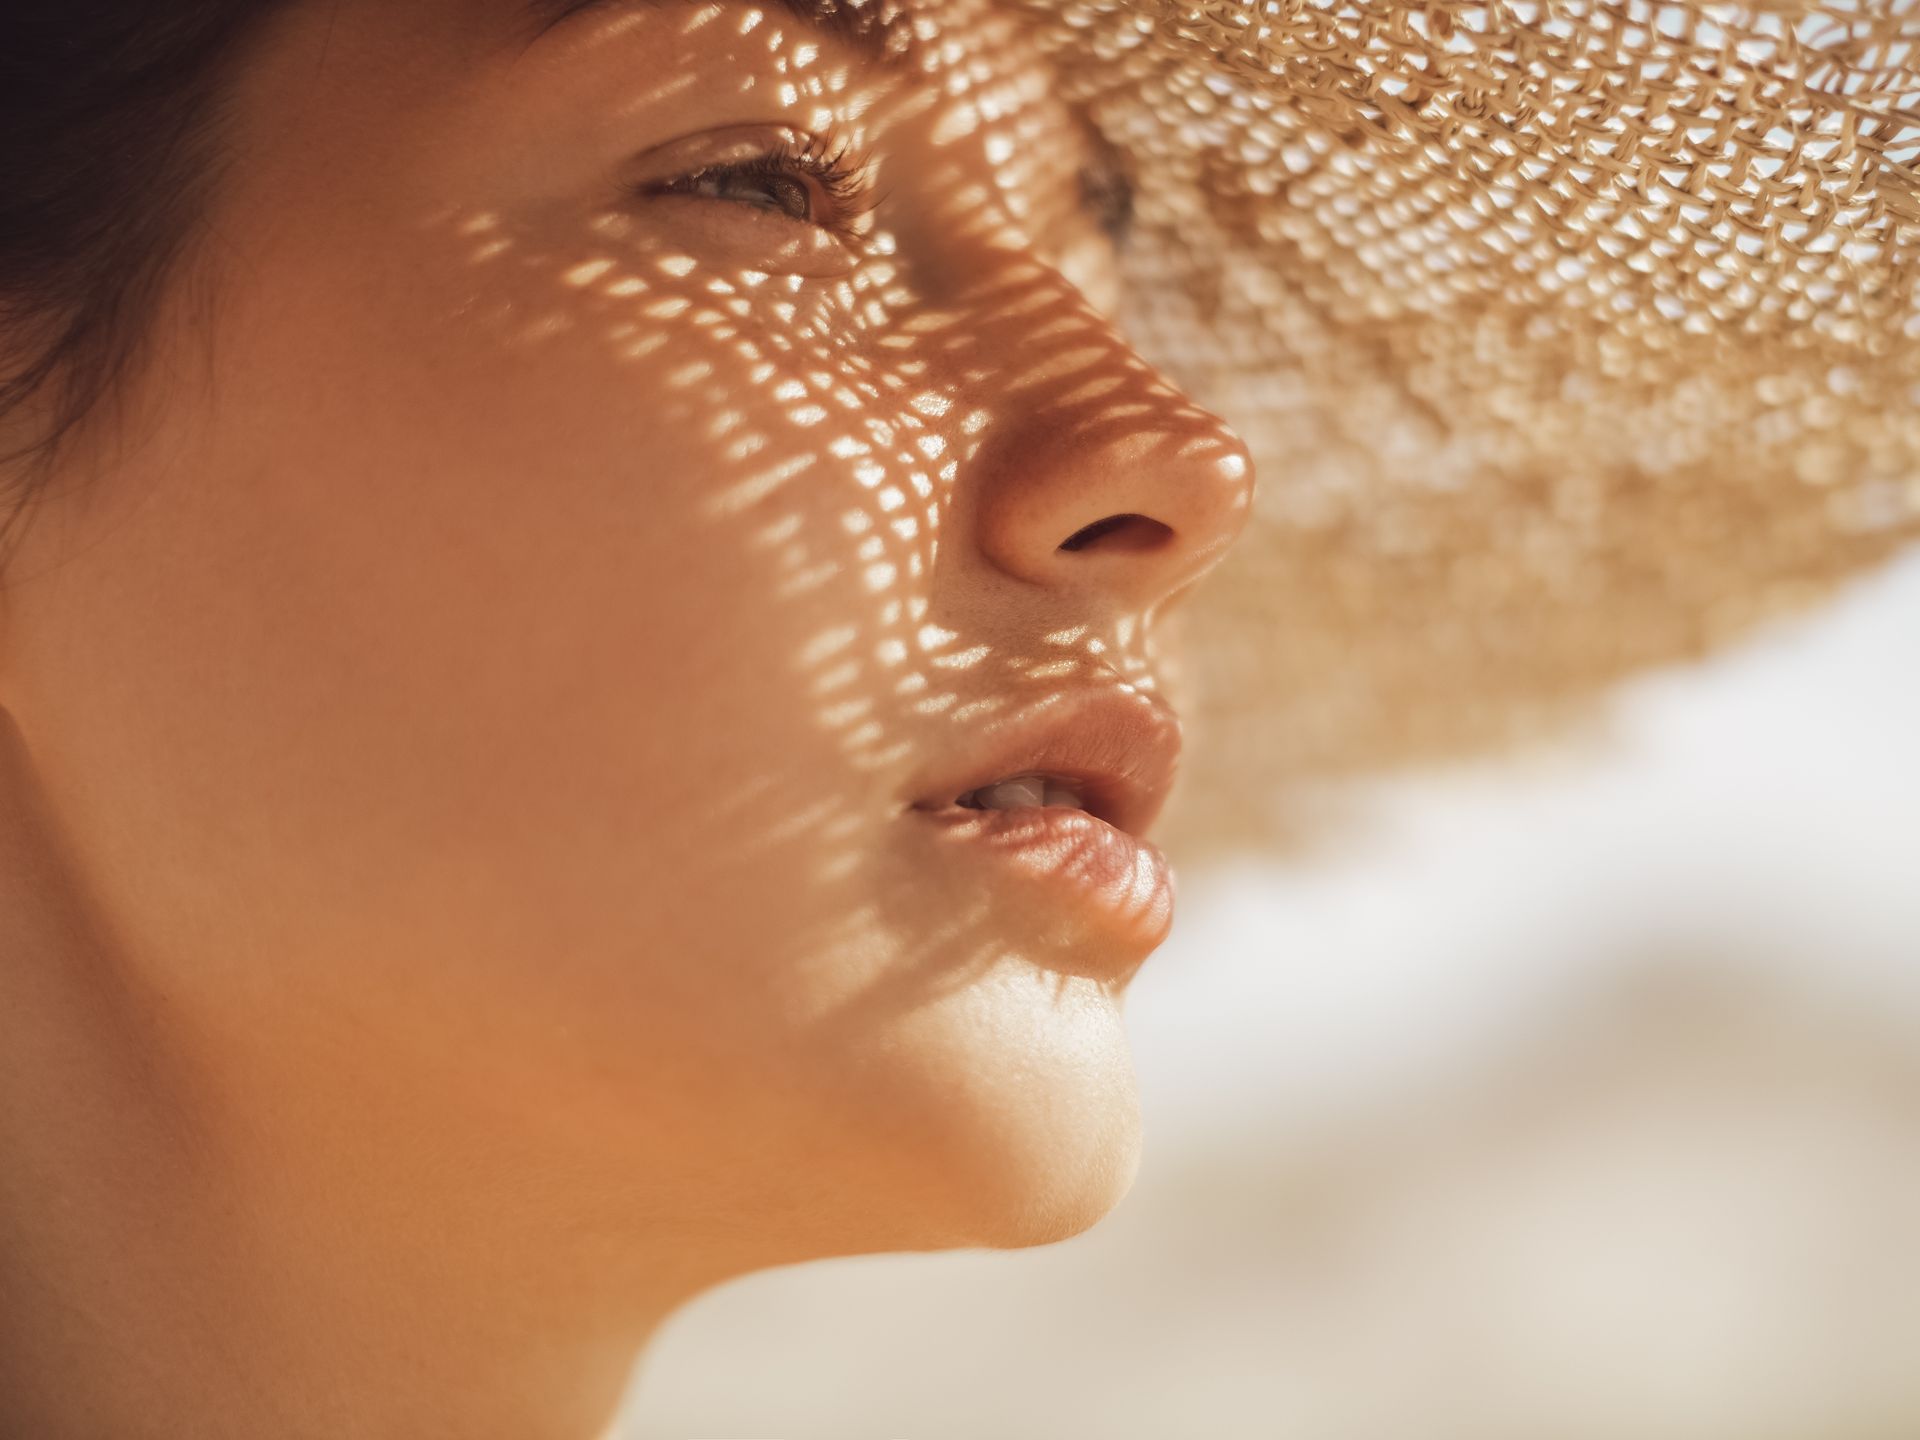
x,y
1113,883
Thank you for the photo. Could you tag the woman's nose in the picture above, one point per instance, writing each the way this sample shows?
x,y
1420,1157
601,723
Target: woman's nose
x,y
1098,478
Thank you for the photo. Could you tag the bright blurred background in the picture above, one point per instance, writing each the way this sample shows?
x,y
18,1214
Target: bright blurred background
x,y
1575,1096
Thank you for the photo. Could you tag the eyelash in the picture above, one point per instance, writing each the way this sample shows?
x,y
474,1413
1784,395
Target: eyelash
x,y
845,179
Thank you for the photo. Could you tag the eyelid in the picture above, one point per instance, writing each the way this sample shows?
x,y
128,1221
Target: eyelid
x,y
826,160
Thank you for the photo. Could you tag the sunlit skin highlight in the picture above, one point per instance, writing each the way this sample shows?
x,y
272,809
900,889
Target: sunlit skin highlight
x,y
466,889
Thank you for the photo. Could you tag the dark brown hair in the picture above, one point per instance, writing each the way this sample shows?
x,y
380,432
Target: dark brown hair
x,y
108,114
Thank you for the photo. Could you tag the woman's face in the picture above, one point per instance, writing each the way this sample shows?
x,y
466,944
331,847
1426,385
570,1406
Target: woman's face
x,y
576,536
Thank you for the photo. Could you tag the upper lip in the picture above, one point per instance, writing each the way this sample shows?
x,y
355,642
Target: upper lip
x,y
1119,749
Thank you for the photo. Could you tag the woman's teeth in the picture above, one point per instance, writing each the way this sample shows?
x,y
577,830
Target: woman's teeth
x,y
1020,791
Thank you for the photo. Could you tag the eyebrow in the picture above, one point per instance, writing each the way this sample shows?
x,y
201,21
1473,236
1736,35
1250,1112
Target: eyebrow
x,y
863,26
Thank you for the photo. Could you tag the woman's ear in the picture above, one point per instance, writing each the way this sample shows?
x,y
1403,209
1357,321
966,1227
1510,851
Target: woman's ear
x,y
20,496
6,625
21,480
46,926
15,503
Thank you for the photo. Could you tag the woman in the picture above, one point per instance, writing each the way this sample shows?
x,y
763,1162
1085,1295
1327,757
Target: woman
x,y
578,650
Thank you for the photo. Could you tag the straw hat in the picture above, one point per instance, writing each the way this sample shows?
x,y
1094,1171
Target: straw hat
x,y
1570,337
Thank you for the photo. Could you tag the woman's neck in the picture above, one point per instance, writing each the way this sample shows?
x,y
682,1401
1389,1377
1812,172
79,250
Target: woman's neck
x,y
184,1254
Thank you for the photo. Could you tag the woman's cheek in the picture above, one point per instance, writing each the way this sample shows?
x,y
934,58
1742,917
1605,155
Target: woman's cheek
x,y
736,476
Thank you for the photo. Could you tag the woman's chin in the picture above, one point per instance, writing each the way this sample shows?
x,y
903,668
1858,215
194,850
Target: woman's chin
x,y
1057,1195
1008,1117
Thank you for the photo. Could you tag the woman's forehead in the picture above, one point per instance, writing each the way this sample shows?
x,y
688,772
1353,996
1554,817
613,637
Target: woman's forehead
x,y
561,65
883,32
961,45
880,27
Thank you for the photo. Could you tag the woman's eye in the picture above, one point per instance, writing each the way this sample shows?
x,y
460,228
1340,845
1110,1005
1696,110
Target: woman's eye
x,y
1106,194
808,182
789,194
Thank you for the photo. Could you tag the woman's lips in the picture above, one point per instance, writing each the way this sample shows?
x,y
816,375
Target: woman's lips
x,y
1113,890
1098,897
1117,750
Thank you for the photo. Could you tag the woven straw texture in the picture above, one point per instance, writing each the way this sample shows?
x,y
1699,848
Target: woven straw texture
x,y
1570,339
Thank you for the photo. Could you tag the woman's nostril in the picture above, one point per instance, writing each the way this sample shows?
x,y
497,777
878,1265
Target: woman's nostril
x,y
1119,533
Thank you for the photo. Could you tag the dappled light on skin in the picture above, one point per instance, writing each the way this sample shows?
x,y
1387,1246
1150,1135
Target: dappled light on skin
x,y
888,385
597,740
667,492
